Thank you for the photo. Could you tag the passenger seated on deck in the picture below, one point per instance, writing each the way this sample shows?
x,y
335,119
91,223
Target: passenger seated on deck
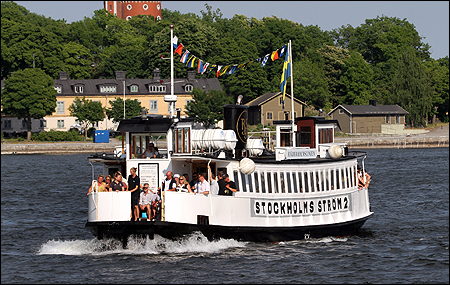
x,y
150,152
99,186
156,201
117,184
361,183
145,201
123,180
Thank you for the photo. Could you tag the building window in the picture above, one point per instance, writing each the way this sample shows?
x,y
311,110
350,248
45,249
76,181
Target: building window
x,y
154,88
7,124
397,119
153,107
60,124
158,7
24,124
388,119
128,18
158,18
341,111
78,89
58,89
43,124
269,116
281,100
145,6
188,88
60,107
129,7
110,7
108,89
134,88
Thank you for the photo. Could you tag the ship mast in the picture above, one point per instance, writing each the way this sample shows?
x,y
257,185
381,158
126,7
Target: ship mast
x,y
292,95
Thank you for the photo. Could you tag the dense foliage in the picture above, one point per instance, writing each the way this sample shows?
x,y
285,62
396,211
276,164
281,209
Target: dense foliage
x,y
87,112
348,65
115,112
54,136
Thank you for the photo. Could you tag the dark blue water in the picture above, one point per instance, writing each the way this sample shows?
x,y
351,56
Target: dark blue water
x,y
44,209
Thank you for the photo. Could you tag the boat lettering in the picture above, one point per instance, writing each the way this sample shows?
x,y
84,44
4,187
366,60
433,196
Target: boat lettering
x,y
298,207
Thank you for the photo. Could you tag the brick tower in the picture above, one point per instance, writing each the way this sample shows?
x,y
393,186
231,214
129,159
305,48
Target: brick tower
x,y
128,9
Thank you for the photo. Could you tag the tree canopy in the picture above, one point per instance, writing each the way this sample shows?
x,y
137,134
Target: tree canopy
x,y
87,112
28,94
347,65
115,112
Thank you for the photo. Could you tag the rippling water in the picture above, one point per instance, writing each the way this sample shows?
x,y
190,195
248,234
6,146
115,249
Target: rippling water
x,y
44,209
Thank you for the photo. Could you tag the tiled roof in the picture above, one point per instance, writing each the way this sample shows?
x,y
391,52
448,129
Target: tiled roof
x,y
266,97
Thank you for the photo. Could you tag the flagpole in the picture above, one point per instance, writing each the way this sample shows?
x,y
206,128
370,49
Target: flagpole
x,y
171,71
292,95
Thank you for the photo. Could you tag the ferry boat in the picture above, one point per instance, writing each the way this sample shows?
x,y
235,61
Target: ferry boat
x,y
291,193
305,188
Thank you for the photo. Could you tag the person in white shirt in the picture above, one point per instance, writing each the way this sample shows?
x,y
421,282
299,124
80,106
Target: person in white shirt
x,y
214,189
203,186
145,201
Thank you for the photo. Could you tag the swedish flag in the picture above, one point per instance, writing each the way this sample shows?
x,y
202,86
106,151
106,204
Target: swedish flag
x,y
286,74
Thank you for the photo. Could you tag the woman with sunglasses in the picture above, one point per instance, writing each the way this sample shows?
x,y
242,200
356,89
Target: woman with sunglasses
x,y
184,185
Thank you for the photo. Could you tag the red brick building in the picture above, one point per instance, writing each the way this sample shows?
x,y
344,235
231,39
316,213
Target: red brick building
x,y
128,9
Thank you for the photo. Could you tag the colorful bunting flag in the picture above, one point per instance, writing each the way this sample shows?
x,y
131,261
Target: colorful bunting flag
x,y
283,49
175,41
274,55
259,59
205,66
184,57
224,70
179,49
218,70
190,62
200,66
213,66
265,60
285,75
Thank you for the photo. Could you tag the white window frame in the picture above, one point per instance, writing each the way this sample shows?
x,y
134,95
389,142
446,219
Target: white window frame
x,y
59,109
79,89
108,89
58,89
156,88
134,88
154,104
271,115
60,124
188,88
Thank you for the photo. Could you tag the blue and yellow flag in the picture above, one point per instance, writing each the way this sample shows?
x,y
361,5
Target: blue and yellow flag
x,y
286,74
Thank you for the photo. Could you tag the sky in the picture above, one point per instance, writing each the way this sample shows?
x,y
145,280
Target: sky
x,y
431,18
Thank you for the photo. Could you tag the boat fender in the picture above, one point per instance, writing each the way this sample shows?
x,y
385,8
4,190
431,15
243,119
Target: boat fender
x,y
335,151
246,166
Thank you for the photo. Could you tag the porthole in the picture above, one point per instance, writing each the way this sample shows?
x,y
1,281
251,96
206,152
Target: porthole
x,y
158,7
145,6
158,17
128,17
129,7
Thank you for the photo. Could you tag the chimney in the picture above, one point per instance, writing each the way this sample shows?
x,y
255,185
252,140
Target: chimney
x,y
63,75
156,74
373,102
191,74
120,75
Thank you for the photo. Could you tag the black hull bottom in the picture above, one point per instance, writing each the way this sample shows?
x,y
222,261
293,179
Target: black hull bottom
x,y
121,230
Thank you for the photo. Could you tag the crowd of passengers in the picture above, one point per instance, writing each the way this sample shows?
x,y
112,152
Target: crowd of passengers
x,y
149,200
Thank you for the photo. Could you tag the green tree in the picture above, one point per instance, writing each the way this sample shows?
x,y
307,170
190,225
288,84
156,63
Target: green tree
x,y
438,74
28,94
87,112
411,89
115,112
77,61
207,108
356,80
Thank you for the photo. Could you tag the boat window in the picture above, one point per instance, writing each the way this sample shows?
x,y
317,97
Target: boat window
x,y
182,140
349,178
255,176
326,180
326,135
301,182
332,179
344,179
237,180
354,175
305,135
307,181
140,142
294,183
340,182
263,182
250,182
278,187
269,182
244,181
289,182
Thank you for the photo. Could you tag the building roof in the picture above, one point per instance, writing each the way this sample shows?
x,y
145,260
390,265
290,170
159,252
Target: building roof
x,y
267,97
92,86
371,109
